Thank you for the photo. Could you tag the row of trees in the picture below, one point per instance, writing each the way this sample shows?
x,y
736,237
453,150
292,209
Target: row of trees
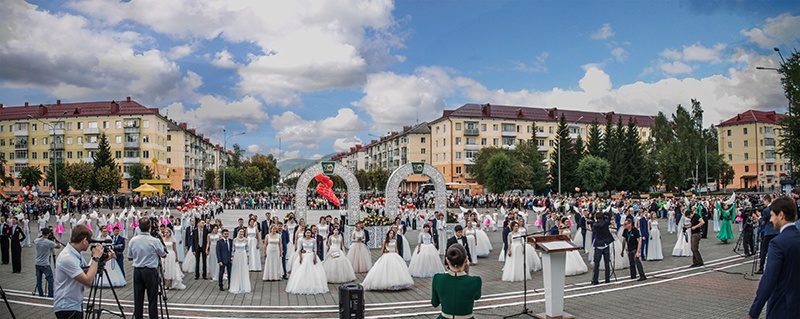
x,y
501,169
259,172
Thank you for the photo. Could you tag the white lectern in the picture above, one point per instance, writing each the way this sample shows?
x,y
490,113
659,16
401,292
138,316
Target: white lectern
x,y
554,261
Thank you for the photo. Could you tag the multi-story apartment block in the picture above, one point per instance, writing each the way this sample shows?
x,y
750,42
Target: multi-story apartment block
x,y
69,132
190,155
748,143
459,134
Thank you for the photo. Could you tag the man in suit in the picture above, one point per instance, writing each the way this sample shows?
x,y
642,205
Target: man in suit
x,y
5,233
224,258
16,236
644,232
118,243
434,232
284,241
241,226
603,239
199,249
459,238
265,226
320,242
781,280
399,240
366,234
505,232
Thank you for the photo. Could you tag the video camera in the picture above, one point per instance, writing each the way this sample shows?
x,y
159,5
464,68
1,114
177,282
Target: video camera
x,y
107,246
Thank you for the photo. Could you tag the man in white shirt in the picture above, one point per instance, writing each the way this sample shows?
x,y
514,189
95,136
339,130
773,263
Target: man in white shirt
x,y
70,275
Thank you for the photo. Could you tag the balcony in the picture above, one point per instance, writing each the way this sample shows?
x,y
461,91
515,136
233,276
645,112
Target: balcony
x,y
21,132
769,147
130,160
769,160
543,148
131,145
126,175
17,175
21,160
90,146
573,136
91,131
770,173
57,146
186,142
542,134
58,131
509,147
509,133
88,160
469,161
131,130
21,146
471,132
770,134
472,147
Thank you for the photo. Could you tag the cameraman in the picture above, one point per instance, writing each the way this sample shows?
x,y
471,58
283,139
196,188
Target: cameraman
x,y
769,232
747,232
603,239
70,274
145,250
44,247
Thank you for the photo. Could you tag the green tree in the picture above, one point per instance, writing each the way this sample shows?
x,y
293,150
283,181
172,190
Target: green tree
x,y
568,163
499,170
253,178
108,179
594,146
593,172
361,176
30,176
102,158
615,155
56,169
726,175
79,175
137,172
481,159
378,178
4,177
789,145
230,177
292,182
267,165
529,171
235,159
209,179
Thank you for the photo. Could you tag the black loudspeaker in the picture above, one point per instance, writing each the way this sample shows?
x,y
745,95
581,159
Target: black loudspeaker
x,y
351,302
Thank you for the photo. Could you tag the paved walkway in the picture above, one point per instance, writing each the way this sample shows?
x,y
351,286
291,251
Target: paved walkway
x,y
718,290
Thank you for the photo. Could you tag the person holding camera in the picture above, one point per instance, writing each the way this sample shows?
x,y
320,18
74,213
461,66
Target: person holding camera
x,y
145,250
602,241
769,233
45,244
70,274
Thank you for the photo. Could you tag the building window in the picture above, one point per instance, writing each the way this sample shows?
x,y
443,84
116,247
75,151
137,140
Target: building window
x,y
33,141
169,137
745,143
458,126
145,139
483,141
508,141
762,168
118,139
33,127
117,154
730,157
729,132
80,140
458,155
458,169
437,143
744,130
422,151
146,154
44,155
80,154
458,141
746,156
644,134
169,148
33,155
169,160
69,141
44,141
146,123
105,124
422,140
483,127
118,124
495,127
444,142
69,126
444,156
495,142
746,168
92,124
69,155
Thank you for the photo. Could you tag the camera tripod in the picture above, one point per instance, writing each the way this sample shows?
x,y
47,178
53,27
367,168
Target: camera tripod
x,y
94,305
3,295
755,253
162,294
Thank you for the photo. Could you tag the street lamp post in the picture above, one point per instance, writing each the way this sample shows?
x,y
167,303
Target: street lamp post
x,y
789,164
559,155
52,141
225,150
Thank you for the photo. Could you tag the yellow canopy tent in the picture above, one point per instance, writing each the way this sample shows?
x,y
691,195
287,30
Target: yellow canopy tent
x,y
146,189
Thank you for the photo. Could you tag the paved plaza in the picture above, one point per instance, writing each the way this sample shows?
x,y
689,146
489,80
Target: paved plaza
x,y
721,289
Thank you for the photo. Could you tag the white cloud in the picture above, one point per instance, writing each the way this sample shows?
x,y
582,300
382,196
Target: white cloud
x,y
537,66
315,157
224,59
781,30
305,45
620,54
344,144
283,154
308,134
254,148
676,67
180,51
603,33
91,64
671,54
213,110
697,52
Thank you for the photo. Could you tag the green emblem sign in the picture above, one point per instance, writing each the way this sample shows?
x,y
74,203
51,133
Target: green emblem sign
x,y
328,167
418,167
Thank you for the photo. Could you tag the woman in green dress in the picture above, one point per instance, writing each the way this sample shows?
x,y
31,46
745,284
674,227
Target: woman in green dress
x,y
456,290
725,218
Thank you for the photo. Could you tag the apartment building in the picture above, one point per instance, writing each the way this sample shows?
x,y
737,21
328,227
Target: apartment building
x,y
190,154
459,134
41,135
748,143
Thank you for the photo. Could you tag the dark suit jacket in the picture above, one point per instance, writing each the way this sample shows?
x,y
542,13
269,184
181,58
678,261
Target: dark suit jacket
x,y
399,244
505,237
264,229
601,232
236,231
778,286
320,247
366,236
452,240
284,240
120,240
17,236
224,251
198,242
189,237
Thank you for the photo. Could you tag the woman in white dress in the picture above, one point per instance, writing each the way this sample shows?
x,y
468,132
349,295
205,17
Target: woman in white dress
x,y
575,263
337,268
240,273
273,252
308,276
297,235
179,246
534,262
425,263
253,246
211,252
472,241
173,277
390,271
358,255
670,221
618,262
683,245
654,244
484,245
189,258
514,269
114,270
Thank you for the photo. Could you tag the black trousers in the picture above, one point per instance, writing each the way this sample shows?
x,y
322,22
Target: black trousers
x,y
16,257
747,242
222,269
145,280
606,255
4,245
201,255
69,315
638,264
764,248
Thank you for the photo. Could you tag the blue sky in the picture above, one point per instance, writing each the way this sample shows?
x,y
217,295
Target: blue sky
x,y
324,75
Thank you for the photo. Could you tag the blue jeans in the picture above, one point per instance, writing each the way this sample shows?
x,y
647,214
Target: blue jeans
x,y
48,274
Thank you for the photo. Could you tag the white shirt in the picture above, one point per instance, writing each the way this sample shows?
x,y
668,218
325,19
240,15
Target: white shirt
x,y
145,251
785,226
68,292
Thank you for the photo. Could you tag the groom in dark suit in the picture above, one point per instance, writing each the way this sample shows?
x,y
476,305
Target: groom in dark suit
x,y
199,249
459,238
320,242
224,248
399,240
779,284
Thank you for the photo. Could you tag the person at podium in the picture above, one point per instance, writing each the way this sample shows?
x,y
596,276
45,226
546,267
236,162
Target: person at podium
x,y
456,290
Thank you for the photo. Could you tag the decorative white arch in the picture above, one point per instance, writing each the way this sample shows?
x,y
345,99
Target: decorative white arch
x,y
401,173
353,191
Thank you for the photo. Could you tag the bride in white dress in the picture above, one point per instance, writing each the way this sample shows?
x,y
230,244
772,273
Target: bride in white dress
x,y
390,271
683,245
173,276
654,251
534,262
240,273
273,253
484,245
575,263
114,271
513,269
426,262
308,276
358,255
472,241
337,267
253,248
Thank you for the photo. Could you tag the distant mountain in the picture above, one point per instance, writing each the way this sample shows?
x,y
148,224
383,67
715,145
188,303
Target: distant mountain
x,y
287,166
